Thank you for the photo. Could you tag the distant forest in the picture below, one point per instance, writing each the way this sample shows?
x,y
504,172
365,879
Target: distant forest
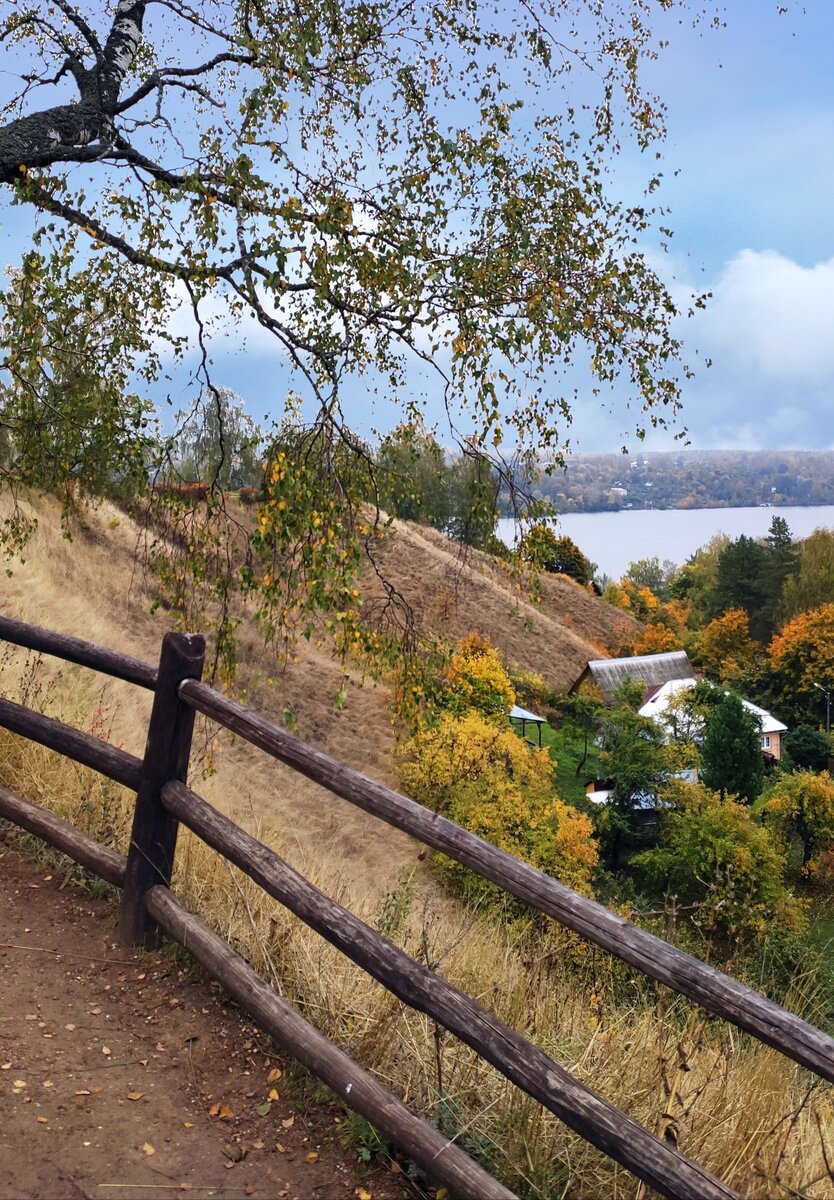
x,y
689,479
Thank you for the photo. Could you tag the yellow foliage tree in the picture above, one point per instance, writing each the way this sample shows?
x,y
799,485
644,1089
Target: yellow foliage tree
x,y
498,786
477,679
725,649
803,653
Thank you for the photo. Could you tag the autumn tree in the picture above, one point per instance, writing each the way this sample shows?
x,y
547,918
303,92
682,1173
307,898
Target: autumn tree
x,y
544,549
731,754
725,648
467,762
802,655
803,804
373,186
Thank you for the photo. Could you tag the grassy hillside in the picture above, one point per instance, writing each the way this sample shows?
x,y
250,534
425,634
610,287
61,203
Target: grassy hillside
x,y
92,587
741,1109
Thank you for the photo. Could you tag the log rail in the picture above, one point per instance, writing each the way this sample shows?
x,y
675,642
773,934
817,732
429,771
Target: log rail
x,y
149,908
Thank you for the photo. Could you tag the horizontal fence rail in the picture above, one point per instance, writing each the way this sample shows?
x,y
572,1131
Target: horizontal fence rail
x,y
713,990
439,1157
85,654
91,855
599,1122
82,748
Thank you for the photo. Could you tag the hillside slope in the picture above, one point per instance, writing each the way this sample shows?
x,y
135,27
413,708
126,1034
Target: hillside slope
x,y
91,587
453,593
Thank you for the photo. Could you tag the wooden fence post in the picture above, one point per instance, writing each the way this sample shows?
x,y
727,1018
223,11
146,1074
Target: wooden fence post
x,y
150,858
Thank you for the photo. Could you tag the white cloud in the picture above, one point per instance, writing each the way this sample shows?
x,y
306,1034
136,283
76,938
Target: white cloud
x,y
773,316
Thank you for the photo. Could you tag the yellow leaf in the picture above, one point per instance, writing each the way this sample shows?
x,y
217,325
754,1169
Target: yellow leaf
x,y
135,1095
214,1110
42,1120
148,1149
273,1095
188,1124
5,1066
225,1113
106,1050
364,1194
312,1157
20,1083
274,1075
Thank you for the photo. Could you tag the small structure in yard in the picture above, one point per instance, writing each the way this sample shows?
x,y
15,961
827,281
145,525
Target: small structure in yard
x,y
525,718
648,669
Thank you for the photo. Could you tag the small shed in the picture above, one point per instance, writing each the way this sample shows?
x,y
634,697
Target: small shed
x,y
525,718
649,669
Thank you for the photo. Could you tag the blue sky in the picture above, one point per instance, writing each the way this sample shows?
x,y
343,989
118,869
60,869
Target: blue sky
x,y
751,137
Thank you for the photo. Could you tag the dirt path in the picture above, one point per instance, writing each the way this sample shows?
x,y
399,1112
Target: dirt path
x,y
128,1077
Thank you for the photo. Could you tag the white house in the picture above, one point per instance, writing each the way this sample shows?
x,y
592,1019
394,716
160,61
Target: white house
x,y
656,706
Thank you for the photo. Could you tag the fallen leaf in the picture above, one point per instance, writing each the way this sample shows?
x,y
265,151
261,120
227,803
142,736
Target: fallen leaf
x,y
188,1124
280,1147
106,1051
274,1075
225,1113
69,1027
312,1157
440,1194
5,1066
135,1095
228,1165
249,1191
234,1153
20,1083
185,1187
148,1149
363,1194
273,1095
42,1120
214,1110
263,1109
95,1091
288,1123
82,1092
95,1012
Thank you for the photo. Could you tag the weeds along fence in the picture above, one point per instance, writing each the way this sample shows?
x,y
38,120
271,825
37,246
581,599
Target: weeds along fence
x,y
149,908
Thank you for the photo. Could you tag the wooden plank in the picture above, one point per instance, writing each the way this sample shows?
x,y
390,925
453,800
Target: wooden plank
x,y
90,854
81,747
72,649
444,1163
153,839
713,990
618,1135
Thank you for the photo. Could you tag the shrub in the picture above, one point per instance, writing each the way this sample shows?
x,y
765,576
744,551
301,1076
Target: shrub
x,y
713,851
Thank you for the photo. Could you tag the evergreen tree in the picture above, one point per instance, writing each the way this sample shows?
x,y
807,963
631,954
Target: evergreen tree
x,y
731,756
741,582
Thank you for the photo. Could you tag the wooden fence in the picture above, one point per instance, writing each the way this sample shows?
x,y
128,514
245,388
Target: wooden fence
x,y
163,801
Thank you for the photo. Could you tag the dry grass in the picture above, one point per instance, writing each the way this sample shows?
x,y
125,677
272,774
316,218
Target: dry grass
x,y
454,594
740,1109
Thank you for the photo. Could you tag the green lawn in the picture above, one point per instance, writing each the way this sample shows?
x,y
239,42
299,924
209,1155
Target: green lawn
x,y
566,749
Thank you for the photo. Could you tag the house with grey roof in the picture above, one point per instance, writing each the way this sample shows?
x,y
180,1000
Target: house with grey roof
x,y
652,670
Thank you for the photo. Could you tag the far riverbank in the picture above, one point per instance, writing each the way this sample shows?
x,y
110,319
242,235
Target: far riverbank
x,y
614,539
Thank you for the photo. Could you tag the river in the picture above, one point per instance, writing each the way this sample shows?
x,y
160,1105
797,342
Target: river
x,y
612,540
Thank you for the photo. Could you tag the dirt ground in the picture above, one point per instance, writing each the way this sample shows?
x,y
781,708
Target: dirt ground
x,y
127,1077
